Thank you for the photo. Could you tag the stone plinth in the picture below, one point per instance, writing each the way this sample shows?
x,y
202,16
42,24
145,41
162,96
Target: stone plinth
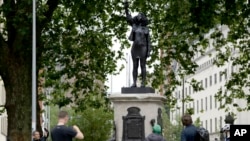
x,y
147,103
137,90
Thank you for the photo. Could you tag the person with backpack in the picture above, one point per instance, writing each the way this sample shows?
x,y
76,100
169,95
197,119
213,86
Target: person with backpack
x,y
226,131
189,133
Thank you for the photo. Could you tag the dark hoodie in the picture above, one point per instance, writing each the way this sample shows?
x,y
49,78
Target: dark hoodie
x,y
154,137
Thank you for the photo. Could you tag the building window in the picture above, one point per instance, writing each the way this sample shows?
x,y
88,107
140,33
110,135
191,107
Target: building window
x,y
194,106
206,124
202,83
186,92
220,122
215,103
211,100
197,106
211,125
202,104
189,90
221,76
205,82
215,78
215,125
206,103
232,69
211,81
225,74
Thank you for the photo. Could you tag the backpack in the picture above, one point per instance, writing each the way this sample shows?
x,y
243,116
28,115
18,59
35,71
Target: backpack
x,y
203,134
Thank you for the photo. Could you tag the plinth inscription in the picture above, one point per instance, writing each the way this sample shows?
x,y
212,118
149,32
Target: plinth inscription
x,y
133,125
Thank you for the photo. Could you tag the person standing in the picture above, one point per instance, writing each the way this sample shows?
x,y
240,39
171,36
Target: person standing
x,y
37,137
63,133
156,135
189,133
226,131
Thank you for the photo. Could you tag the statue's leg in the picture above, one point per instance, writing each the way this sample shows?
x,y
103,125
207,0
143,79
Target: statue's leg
x,y
143,71
135,70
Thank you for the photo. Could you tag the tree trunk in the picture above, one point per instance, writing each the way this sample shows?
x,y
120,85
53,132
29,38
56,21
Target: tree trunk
x,y
18,85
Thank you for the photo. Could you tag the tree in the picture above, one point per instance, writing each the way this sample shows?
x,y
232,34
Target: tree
x,y
180,29
96,124
75,35
171,131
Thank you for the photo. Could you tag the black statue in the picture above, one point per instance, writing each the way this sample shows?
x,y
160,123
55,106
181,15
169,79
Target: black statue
x,y
141,43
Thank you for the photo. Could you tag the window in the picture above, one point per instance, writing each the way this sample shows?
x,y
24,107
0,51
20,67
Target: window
x,y
225,73
189,90
220,125
215,124
201,83
211,100
206,102
215,78
205,82
186,92
215,103
211,125
211,81
201,104
232,69
206,124
194,106
197,106
221,76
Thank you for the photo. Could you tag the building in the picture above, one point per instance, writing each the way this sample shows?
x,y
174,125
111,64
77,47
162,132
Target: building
x,y
3,116
205,106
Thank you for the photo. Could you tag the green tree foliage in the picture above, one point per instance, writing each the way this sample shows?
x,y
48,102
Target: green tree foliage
x,y
179,31
96,124
171,132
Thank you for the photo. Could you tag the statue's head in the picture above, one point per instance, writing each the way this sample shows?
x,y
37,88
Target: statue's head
x,y
141,19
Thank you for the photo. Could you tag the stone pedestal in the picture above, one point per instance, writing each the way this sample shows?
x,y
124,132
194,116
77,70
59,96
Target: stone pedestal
x,y
148,105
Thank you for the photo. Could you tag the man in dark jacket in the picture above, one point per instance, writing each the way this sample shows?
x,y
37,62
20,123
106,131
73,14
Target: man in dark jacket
x,y
189,133
37,137
156,135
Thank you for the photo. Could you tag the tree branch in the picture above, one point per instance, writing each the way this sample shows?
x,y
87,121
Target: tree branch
x,y
9,13
52,4
3,55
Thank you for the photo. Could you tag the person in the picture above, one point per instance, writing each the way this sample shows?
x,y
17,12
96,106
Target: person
x,y
226,131
189,133
37,136
141,47
63,133
156,135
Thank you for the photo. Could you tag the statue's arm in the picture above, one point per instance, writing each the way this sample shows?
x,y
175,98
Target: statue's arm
x,y
128,15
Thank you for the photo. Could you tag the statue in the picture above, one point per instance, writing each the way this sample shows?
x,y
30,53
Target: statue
x,y
141,47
